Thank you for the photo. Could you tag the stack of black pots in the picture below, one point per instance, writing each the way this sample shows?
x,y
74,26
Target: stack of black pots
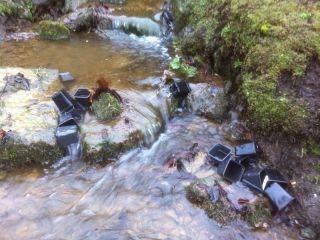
x,y
241,167
71,112
179,90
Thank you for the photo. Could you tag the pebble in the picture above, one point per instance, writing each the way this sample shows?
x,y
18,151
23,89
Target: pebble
x,y
308,233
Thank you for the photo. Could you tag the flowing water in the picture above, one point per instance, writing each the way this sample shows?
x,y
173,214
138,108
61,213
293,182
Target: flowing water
x,y
136,197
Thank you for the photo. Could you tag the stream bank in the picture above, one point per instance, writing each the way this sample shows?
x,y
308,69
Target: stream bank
x,y
269,53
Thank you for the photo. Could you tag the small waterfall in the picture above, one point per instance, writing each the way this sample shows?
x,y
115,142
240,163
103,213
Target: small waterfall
x,y
136,25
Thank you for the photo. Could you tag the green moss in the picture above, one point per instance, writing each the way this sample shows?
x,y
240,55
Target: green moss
x,y
269,38
258,215
107,107
110,150
178,64
19,155
219,211
23,9
51,30
314,149
8,9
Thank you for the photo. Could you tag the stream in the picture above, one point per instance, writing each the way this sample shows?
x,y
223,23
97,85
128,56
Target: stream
x,y
136,197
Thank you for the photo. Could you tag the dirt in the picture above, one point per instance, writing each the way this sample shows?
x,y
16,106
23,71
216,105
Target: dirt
x,y
292,156
298,167
307,89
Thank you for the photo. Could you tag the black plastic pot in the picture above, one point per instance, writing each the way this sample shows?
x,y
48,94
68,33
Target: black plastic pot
x,y
219,153
62,102
231,170
279,197
246,161
254,178
67,135
246,149
66,77
274,176
180,89
82,96
260,179
66,119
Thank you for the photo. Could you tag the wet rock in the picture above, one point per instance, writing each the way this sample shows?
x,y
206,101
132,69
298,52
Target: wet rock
x,y
20,36
137,124
72,5
81,19
31,119
209,101
308,233
216,207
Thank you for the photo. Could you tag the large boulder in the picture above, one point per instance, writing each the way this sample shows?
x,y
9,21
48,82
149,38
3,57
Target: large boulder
x,y
80,19
29,117
208,101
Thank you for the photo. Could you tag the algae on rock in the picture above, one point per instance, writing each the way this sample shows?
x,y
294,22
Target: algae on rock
x,y
51,30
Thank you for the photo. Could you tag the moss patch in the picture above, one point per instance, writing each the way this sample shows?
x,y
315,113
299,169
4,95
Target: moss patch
x,y
260,40
258,215
22,9
107,107
110,150
20,155
51,30
220,211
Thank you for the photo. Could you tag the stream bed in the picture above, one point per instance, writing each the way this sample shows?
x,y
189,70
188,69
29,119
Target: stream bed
x,y
136,196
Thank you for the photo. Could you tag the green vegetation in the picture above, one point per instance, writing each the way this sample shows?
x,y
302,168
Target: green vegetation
x,y
8,9
19,155
263,41
258,215
107,107
314,149
22,9
178,64
220,211
110,150
51,30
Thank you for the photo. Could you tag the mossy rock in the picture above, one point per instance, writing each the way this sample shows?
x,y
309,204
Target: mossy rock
x,y
111,150
51,30
261,45
107,107
14,155
220,211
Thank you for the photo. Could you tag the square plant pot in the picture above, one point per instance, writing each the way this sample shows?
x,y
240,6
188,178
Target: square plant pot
x,y
231,170
66,119
82,96
62,102
180,89
219,153
260,179
67,135
248,149
246,161
279,197
66,77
